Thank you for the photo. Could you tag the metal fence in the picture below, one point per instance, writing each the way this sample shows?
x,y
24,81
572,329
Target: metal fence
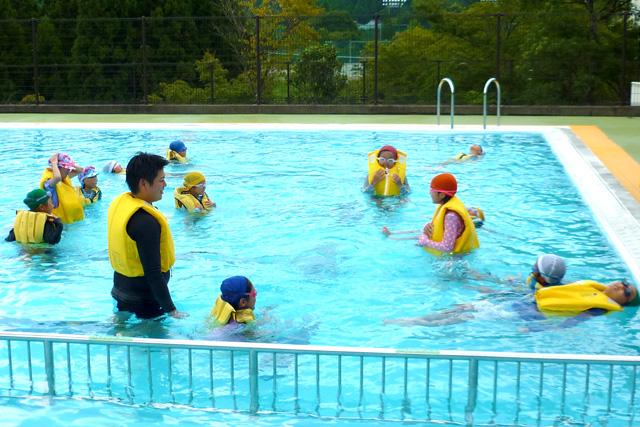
x,y
451,387
251,60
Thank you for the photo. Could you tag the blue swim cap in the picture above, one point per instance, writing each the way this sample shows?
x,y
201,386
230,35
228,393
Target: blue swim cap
x,y
178,146
233,289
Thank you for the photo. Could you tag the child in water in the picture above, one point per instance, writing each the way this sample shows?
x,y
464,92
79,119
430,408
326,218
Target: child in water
x,y
88,190
113,167
56,179
236,302
177,152
192,196
38,224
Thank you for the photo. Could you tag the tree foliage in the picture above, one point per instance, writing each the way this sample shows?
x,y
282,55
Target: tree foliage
x,y
317,74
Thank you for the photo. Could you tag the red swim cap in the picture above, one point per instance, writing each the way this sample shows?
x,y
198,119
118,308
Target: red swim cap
x,y
445,183
391,149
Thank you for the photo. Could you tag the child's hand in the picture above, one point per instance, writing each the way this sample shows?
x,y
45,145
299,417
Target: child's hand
x,y
396,178
210,204
377,177
54,159
428,230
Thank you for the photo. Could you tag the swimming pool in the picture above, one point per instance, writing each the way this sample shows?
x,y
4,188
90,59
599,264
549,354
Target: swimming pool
x,y
291,217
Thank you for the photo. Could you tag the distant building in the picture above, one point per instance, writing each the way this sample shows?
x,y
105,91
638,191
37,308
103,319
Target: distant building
x,y
391,4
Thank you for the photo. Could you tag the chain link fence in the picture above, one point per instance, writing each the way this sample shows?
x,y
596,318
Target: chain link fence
x,y
294,60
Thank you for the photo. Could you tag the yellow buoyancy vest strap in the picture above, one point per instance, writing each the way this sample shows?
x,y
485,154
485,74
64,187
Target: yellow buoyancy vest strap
x,y
29,226
188,200
123,251
69,205
82,197
222,311
173,155
467,241
386,186
575,297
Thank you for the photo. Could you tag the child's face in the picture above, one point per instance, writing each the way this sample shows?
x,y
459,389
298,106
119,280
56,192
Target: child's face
x,y
198,189
183,153
46,207
90,183
117,168
251,299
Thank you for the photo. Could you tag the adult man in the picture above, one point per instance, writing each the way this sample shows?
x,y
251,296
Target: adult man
x,y
140,242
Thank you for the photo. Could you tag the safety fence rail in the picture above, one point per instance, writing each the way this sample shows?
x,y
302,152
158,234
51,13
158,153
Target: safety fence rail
x,y
450,387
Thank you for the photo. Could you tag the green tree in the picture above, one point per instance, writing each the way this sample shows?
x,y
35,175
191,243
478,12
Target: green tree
x,y
16,57
317,74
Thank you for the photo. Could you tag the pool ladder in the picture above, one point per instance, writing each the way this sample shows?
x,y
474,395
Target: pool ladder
x,y
484,99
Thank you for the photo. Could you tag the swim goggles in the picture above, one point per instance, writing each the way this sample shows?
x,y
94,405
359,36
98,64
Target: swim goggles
x,y
627,291
387,161
201,185
254,293
549,279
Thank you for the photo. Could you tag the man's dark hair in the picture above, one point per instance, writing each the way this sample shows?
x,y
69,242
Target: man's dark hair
x,y
143,166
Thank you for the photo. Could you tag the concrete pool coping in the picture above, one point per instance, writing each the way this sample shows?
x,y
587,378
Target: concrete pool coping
x,y
607,175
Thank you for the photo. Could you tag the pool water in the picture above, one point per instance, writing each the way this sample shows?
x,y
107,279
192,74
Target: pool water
x,y
290,216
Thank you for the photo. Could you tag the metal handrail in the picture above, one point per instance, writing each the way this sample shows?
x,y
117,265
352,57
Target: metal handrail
x,y
484,101
453,91
152,363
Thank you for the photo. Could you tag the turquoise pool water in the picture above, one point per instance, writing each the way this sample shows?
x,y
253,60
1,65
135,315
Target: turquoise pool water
x,y
291,217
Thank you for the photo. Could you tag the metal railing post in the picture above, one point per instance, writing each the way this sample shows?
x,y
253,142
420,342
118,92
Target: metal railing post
x,y
145,83
473,391
34,38
453,91
375,61
253,381
258,63
48,367
484,101
624,100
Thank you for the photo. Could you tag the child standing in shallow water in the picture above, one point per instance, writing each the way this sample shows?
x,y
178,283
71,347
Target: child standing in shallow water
x,y
451,230
192,196
56,179
88,190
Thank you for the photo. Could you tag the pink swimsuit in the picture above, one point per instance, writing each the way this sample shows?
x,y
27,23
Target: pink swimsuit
x,y
453,229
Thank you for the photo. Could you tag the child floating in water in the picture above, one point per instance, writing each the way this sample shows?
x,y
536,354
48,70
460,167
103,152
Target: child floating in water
x,y
236,302
451,229
56,179
177,152
113,167
387,167
38,224
192,196
88,190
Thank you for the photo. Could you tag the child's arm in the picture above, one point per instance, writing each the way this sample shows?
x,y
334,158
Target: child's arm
x,y
75,172
56,172
388,233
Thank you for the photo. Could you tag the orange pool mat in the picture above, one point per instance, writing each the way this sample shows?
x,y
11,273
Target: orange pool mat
x,y
622,166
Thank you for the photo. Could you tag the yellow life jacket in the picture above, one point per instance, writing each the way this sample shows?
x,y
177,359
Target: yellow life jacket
x,y
222,311
464,156
184,198
82,197
123,251
69,206
386,187
29,226
467,241
575,297
173,155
